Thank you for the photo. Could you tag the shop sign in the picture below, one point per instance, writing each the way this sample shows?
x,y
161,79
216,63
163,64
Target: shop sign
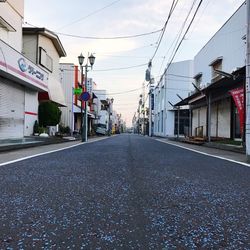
x,y
15,64
239,100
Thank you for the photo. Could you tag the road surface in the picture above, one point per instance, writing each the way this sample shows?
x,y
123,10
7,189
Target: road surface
x,y
125,192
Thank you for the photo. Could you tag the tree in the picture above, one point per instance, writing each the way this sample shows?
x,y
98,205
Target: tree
x,y
49,114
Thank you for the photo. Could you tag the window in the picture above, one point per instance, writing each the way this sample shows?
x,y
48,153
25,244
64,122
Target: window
x,y
45,60
198,80
216,65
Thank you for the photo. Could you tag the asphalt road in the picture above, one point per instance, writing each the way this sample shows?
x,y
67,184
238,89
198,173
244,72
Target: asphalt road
x,y
125,192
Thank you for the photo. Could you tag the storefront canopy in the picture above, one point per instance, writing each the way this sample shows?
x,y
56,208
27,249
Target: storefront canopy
x,y
55,92
220,87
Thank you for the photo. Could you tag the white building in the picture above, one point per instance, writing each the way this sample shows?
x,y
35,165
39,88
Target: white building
x,y
104,113
69,75
70,78
44,48
20,78
177,80
214,113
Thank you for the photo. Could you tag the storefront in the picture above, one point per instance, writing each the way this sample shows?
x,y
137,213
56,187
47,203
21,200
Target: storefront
x,y
217,111
20,81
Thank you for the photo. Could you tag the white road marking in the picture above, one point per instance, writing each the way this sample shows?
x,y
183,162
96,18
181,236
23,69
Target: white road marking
x,y
49,152
203,153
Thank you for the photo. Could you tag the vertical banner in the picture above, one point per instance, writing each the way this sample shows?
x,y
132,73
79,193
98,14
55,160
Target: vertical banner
x,y
239,99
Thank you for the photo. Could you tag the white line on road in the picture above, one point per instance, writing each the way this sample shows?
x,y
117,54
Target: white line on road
x,y
203,153
49,152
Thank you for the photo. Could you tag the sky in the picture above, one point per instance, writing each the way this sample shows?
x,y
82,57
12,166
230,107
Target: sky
x,y
121,63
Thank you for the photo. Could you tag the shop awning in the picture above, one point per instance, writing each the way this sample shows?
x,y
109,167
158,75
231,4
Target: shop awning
x,y
55,92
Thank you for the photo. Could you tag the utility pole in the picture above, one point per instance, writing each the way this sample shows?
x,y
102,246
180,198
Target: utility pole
x,y
150,111
144,109
248,84
149,78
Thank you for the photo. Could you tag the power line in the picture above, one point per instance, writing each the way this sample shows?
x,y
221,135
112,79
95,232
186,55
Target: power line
x,y
110,38
175,41
180,76
184,34
130,67
104,38
165,26
90,14
118,93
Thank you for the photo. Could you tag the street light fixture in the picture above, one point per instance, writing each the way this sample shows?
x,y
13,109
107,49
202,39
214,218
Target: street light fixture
x,y
84,126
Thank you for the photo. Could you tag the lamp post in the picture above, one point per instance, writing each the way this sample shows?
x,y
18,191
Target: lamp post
x,y
84,126
110,101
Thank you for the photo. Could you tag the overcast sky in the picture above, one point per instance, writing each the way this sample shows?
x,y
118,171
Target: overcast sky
x,y
110,18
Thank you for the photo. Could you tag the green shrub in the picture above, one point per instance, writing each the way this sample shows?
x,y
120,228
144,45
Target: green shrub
x,y
42,130
64,130
49,114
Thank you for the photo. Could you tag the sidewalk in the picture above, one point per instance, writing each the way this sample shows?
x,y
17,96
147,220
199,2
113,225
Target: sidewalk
x,y
218,150
11,150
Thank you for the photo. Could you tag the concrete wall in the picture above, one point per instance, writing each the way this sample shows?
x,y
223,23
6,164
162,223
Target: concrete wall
x,y
12,13
30,47
228,43
171,84
67,80
49,47
31,111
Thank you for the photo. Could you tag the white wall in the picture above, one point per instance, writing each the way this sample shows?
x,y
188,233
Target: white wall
x,y
228,43
31,111
49,47
171,84
12,12
224,118
30,47
67,80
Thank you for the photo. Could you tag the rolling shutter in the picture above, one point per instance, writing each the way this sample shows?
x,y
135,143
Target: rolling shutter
x,y
11,110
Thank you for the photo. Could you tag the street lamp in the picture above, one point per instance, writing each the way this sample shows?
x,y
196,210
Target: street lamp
x,y
84,126
110,101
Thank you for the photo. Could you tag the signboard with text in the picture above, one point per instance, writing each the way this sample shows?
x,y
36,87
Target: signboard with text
x,y
15,64
239,100
77,91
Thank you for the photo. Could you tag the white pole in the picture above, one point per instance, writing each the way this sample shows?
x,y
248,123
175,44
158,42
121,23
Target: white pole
x,y
150,111
248,84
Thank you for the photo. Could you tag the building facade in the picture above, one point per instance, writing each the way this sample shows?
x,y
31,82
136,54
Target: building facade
x,y
70,78
175,83
219,69
20,78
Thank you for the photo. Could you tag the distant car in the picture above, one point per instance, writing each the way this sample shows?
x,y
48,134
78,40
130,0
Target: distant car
x,y
101,129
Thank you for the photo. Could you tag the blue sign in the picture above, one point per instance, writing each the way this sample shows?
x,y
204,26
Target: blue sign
x,y
22,65
85,96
